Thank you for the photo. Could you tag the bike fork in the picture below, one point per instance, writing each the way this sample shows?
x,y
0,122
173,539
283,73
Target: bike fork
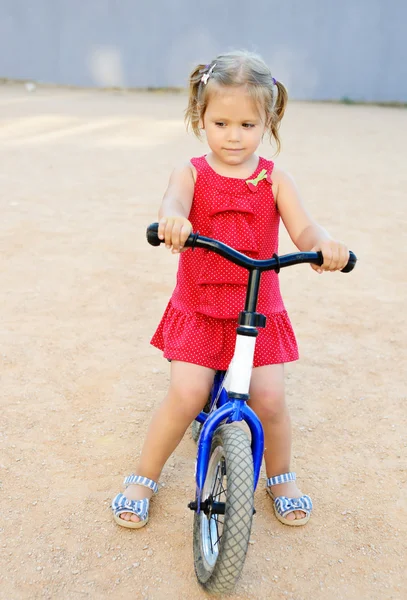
x,y
231,411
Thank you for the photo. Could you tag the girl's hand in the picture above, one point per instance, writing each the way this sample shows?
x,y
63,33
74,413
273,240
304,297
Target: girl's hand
x,y
336,256
175,231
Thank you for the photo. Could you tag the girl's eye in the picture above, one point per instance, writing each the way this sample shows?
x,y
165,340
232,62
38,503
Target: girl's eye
x,y
219,123
248,125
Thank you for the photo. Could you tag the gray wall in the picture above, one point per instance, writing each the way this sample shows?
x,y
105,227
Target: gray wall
x,y
321,49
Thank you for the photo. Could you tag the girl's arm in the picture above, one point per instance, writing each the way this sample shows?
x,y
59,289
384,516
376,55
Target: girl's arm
x,y
306,234
174,226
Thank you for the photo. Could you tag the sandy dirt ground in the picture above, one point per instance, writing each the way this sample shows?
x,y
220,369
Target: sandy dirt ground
x,y
82,174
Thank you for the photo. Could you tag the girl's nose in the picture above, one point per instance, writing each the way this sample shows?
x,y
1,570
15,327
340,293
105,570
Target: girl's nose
x,y
234,134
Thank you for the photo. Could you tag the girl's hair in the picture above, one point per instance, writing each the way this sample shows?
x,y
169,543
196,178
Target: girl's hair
x,y
239,68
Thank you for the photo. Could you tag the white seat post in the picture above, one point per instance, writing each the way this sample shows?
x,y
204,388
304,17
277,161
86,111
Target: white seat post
x,y
240,370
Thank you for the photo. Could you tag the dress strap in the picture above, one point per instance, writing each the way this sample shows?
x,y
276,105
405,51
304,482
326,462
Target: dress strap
x,y
266,164
199,163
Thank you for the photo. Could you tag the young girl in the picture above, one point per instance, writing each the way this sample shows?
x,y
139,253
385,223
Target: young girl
x,y
237,197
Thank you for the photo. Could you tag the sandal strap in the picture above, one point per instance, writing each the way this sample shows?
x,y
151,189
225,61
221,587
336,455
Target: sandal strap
x,y
121,504
284,478
140,480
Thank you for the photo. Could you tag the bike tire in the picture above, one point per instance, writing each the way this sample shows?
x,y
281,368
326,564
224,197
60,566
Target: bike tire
x,y
196,426
196,430
219,573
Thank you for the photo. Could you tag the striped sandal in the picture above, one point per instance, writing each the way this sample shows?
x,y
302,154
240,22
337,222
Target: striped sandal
x,y
121,504
283,505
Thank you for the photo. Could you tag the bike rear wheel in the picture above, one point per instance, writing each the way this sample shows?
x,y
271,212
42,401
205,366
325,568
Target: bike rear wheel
x,y
220,541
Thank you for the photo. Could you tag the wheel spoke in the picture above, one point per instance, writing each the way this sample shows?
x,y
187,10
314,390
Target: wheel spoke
x,y
217,481
217,523
217,529
222,491
210,537
220,472
210,533
218,490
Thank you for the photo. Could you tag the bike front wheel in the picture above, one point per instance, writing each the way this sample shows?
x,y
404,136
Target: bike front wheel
x,y
222,528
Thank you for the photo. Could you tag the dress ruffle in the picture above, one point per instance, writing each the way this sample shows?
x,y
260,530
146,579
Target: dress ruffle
x,y
222,301
210,342
222,283
232,219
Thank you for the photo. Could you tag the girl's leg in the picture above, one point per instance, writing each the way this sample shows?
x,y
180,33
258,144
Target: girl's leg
x,y
188,393
267,399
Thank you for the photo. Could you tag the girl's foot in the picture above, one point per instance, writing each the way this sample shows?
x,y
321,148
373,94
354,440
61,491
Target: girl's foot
x,y
135,492
290,490
131,508
291,507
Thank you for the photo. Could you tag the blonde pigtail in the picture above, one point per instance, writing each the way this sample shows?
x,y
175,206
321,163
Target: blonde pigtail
x,y
282,99
278,112
192,113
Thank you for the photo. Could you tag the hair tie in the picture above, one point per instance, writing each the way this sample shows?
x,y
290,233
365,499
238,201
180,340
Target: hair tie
x,y
274,81
206,76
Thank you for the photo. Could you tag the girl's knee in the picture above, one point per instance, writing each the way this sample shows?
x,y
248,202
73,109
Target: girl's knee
x,y
189,388
188,399
267,396
269,405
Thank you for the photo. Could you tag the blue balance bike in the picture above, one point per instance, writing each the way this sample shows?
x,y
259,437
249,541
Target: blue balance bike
x,y
228,462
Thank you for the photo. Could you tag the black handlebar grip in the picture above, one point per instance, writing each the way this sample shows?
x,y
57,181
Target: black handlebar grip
x,y
152,235
154,240
349,267
351,263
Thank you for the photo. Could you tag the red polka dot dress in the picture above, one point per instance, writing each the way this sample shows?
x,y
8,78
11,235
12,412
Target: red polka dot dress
x,y
199,323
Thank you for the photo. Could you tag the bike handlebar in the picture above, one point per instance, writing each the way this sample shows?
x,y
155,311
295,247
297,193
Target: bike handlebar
x,y
272,264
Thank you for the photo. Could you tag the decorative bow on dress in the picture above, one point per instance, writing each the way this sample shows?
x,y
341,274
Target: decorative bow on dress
x,y
252,183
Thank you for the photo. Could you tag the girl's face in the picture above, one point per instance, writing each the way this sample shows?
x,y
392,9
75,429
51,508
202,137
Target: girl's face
x,y
234,124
